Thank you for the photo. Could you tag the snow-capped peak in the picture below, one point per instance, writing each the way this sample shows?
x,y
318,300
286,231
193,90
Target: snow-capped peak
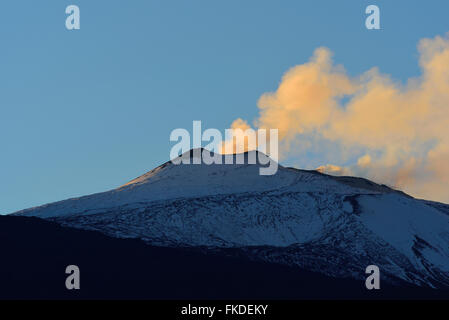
x,y
341,224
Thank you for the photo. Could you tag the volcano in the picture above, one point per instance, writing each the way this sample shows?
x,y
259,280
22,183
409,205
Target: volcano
x,y
335,226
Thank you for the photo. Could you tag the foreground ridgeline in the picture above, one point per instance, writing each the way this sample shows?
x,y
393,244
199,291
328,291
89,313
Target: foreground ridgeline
x,y
114,268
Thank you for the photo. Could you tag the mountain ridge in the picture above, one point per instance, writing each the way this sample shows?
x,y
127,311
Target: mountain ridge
x,y
342,224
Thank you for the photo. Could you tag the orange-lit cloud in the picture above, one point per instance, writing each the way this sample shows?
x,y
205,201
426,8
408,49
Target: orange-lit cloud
x,y
397,134
240,142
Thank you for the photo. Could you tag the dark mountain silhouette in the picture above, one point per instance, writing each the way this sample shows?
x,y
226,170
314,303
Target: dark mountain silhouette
x,y
35,253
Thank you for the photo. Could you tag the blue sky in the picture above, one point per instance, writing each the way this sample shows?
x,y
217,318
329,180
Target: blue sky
x,y
85,111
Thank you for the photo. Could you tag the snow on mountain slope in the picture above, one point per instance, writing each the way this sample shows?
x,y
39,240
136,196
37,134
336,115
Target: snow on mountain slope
x,y
170,181
334,225
412,227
